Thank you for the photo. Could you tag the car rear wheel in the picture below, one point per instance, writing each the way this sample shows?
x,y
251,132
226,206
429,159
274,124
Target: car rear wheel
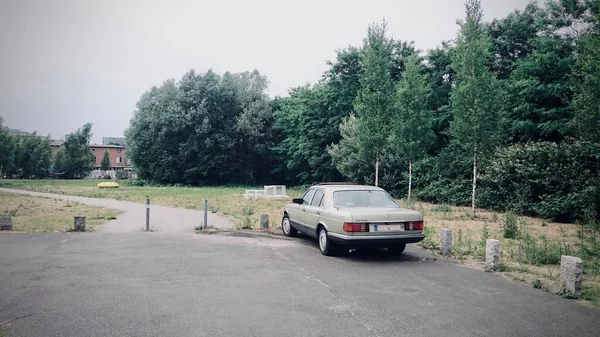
x,y
325,245
286,225
397,249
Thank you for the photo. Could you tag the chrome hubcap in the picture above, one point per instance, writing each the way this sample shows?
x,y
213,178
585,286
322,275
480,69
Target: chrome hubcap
x,y
323,239
286,225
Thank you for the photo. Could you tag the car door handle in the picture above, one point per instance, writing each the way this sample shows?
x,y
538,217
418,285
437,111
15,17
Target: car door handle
x,y
304,210
318,213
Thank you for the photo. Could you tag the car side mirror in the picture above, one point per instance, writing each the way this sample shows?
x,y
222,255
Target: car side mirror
x,y
298,201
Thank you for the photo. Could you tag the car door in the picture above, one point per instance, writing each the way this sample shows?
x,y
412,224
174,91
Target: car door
x,y
297,215
312,212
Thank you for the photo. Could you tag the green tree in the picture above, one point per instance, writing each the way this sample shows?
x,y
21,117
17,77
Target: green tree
x,y
345,154
105,165
440,78
587,99
474,98
204,129
78,160
33,156
59,165
412,134
8,144
375,102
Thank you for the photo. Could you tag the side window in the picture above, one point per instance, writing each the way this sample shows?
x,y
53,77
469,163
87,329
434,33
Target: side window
x,y
318,198
308,197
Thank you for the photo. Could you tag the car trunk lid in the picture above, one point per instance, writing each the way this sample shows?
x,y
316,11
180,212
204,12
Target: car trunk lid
x,y
387,221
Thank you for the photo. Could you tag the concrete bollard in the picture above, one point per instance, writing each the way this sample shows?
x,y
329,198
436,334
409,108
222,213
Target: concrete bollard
x,y
571,273
6,223
264,221
79,224
446,241
492,255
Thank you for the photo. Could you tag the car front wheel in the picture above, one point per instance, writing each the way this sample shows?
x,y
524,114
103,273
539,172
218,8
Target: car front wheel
x,y
286,226
325,245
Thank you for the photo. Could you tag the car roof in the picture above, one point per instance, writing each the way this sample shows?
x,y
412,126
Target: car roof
x,y
347,186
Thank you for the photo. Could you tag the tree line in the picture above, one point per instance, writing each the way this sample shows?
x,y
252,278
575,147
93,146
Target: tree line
x,y
505,116
30,156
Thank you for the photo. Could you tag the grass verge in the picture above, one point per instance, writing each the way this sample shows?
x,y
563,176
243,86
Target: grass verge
x,y
33,214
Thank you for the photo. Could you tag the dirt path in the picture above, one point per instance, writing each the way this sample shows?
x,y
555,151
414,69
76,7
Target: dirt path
x,y
162,218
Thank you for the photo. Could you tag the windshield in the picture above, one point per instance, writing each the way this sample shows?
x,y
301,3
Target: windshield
x,y
365,198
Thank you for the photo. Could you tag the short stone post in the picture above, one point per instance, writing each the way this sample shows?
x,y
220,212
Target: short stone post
x,y
446,241
6,223
571,273
79,224
492,254
264,221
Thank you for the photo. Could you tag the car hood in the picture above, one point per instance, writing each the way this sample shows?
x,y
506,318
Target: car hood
x,y
370,214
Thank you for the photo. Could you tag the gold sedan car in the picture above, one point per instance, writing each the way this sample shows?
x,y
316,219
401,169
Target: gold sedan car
x,y
352,216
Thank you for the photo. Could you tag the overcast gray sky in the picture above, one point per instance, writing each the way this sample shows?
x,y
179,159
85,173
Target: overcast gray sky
x,y
68,62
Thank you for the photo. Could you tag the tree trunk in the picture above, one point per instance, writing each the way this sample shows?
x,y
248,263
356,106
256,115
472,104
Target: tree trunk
x,y
377,170
474,180
409,178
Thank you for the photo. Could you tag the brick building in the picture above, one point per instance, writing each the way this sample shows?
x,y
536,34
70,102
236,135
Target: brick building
x,y
116,154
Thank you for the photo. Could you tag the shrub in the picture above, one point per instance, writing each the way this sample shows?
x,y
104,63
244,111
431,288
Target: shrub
x,y
542,251
136,182
428,242
246,222
247,210
122,175
559,182
510,228
464,245
443,208
485,234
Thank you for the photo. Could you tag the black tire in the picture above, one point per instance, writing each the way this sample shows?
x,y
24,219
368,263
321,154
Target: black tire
x,y
327,247
291,231
397,249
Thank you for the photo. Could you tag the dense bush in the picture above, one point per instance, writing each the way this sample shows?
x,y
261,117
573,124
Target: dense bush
x,y
559,182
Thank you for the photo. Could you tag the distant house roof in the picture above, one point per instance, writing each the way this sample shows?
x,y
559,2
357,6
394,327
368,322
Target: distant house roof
x,y
107,146
57,142
114,141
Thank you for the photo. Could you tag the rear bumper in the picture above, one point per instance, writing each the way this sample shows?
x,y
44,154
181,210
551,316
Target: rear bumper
x,y
374,240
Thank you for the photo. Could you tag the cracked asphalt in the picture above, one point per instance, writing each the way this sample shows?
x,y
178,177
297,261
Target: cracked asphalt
x,y
177,284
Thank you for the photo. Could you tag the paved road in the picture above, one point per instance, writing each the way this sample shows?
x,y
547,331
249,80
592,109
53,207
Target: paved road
x,y
177,284
162,219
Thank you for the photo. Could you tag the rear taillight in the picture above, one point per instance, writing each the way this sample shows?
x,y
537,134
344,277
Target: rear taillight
x,y
414,226
355,227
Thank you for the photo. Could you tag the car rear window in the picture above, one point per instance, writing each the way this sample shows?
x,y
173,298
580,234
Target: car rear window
x,y
364,198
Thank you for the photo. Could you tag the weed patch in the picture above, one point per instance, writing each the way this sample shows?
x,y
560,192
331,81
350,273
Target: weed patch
x,y
247,210
510,228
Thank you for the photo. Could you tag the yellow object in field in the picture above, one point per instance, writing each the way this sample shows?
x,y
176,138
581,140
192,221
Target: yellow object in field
x,y
108,184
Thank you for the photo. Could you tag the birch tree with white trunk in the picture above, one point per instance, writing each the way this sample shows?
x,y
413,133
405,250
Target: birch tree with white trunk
x,y
412,133
475,96
375,101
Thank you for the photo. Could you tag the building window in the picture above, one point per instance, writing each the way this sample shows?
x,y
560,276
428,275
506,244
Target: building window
x,y
118,160
119,150
93,150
